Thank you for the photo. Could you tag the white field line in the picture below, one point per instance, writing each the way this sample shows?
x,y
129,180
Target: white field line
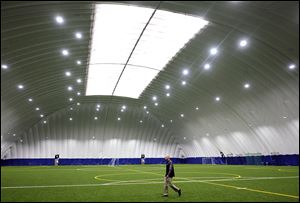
x,y
144,183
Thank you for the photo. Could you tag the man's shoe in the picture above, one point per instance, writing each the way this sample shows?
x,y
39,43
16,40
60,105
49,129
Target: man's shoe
x,y
179,192
164,195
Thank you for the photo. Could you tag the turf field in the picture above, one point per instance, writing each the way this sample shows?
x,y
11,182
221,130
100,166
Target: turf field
x,y
145,183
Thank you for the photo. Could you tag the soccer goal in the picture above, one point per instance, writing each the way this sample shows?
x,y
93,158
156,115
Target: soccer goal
x,y
208,160
114,162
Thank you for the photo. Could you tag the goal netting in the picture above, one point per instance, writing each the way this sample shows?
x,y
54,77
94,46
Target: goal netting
x,y
113,162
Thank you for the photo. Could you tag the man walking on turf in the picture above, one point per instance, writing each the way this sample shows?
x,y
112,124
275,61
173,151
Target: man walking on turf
x,y
170,173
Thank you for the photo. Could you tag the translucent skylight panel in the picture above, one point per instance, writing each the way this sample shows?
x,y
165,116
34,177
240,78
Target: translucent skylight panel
x,y
116,30
134,80
102,79
165,35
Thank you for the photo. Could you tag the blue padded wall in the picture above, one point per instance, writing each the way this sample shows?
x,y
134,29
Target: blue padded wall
x,y
278,160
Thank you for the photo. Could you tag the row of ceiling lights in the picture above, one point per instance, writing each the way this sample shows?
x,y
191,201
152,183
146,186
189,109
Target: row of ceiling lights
x,y
60,20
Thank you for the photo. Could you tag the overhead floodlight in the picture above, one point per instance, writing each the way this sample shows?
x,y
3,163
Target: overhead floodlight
x,y
154,98
20,86
206,66
246,86
4,66
78,62
59,19
183,82
30,99
68,73
185,72
243,43
78,35
116,30
292,66
213,51
145,107
65,52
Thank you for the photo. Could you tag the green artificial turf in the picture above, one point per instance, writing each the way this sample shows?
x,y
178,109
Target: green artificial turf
x,y
132,183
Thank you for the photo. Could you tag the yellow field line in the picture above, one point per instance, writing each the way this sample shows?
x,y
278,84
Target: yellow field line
x,y
254,190
230,186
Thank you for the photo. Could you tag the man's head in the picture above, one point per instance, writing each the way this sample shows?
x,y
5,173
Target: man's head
x,y
167,157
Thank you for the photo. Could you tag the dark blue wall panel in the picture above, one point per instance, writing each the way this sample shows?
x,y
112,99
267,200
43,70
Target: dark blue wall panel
x,y
278,160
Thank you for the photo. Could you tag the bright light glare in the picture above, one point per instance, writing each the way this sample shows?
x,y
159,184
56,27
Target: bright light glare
x,y
206,66
162,125
65,52
116,30
246,86
20,86
156,104
70,88
292,66
185,72
41,115
182,115
68,73
96,118
37,108
145,107
70,119
154,98
30,99
168,94
197,108
167,87
78,80
183,83
78,62
70,99
119,118
98,105
213,51
4,66
78,35
123,107
243,43
78,93
217,98
59,19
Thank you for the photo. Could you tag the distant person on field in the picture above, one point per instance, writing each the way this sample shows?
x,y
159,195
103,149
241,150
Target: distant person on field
x,y
223,157
170,173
